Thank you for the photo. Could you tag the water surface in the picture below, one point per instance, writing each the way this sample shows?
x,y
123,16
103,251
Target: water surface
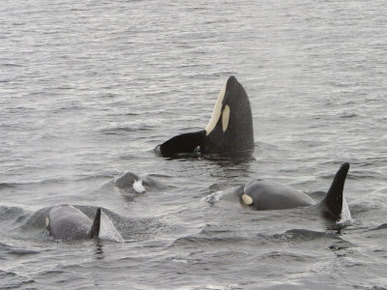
x,y
88,89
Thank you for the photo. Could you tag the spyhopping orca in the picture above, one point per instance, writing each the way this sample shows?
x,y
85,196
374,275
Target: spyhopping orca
x,y
263,195
229,132
67,223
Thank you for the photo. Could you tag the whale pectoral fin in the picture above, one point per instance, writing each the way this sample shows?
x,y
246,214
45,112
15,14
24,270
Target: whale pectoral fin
x,y
47,222
332,203
184,143
94,232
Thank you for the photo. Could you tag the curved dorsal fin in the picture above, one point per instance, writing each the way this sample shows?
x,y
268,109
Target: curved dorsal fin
x,y
333,201
94,232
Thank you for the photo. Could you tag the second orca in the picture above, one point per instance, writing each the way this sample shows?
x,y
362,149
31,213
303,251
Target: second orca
x,y
67,223
264,195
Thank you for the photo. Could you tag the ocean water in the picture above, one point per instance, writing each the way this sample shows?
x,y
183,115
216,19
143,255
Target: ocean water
x,y
88,89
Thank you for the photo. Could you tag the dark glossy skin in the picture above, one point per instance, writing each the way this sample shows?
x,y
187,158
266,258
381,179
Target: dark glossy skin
x,y
237,137
269,195
229,132
264,195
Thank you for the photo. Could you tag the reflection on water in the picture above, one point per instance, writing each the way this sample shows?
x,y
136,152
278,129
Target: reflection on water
x,y
99,254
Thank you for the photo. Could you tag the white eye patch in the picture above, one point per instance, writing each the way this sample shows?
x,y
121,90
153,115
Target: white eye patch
x,y
247,199
225,118
47,221
138,187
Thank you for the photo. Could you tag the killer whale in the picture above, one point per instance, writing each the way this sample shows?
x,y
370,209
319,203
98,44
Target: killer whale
x,y
229,133
67,223
264,195
128,181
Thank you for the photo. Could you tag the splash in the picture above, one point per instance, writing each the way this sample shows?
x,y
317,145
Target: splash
x,y
108,231
345,214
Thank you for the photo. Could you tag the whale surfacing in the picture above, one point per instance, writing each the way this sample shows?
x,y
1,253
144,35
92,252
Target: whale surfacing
x,y
264,195
67,223
229,133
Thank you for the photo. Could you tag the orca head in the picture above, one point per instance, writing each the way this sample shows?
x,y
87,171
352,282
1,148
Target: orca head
x,y
229,132
125,180
68,223
230,129
332,204
128,181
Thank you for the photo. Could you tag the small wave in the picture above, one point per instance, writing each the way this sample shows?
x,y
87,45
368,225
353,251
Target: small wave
x,y
205,241
9,213
12,65
329,240
286,257
121,129
308,235
118,130
7,185
348,115
304,235
381,227
22,252
11,280
47,181
16,251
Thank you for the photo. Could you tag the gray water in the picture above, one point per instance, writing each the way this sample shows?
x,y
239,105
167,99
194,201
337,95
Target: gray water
x,y
90,88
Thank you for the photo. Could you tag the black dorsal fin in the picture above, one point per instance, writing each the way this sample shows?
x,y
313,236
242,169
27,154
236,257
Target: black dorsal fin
x,y
333,200
94,232
184,143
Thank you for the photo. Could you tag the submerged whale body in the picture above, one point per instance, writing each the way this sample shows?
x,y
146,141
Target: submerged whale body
x,y
264,195
67,223
229,132
129,181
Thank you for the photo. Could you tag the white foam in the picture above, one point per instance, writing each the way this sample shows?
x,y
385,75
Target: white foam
x,y
213,197
345,213
108,231
138,187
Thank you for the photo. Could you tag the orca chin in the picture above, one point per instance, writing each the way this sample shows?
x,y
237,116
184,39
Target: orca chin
x,y
229,133
262,195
